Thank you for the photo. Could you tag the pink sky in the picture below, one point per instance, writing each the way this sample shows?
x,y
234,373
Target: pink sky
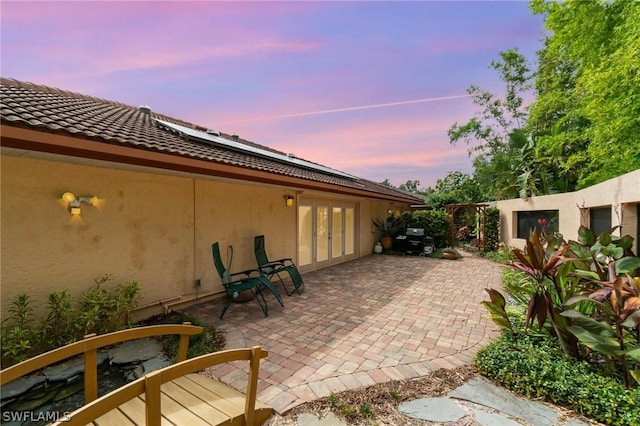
x,y
263,69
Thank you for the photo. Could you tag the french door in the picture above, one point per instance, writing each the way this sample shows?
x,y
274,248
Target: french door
x,y
326,232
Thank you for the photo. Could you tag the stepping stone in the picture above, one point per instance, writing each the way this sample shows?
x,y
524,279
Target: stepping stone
x,y
135,351
70,368
482,392
311,420
433,410
493,419
20,386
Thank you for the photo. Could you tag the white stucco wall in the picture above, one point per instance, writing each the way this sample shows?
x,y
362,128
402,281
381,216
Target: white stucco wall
x,y
621,194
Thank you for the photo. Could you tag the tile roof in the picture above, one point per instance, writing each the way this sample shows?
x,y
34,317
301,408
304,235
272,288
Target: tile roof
x,y
52,110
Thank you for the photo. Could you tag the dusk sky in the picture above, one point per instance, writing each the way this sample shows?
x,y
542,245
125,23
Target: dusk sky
x,y
369,88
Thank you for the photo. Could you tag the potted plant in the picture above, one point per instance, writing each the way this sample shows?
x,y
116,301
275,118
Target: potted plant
x,y
450,253
388,229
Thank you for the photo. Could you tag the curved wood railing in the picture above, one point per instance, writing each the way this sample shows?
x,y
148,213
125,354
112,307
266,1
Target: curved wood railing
x,y
89,347
151,383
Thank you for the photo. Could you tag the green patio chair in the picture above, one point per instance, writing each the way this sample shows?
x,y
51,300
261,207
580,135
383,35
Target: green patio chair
x,y
251,280
276,267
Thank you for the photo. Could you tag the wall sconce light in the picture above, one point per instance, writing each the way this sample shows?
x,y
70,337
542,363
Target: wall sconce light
x,y
288,200
74,202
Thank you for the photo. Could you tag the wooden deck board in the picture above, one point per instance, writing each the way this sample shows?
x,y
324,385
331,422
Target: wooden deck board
x,y
196,404
178,414
114,418
226,392
226,399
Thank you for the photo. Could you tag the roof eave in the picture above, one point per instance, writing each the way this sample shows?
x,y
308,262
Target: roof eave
x,y
62,144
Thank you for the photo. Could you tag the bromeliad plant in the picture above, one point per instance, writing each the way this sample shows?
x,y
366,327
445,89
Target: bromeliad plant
x,y
585,293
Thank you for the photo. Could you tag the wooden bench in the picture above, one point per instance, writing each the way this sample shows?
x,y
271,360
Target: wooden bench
x,y
172,395
176,396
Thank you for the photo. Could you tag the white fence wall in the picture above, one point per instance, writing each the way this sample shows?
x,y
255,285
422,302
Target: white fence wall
x,y
621,195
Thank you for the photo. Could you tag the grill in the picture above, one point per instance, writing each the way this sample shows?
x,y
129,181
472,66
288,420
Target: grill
x,y
414,241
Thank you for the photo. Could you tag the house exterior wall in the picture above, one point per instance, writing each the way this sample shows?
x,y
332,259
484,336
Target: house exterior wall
x,y
154,228
621,194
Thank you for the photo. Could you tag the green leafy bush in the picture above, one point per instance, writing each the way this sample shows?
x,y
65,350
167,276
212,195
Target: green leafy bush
x,y
434,222
210,340
491,229
99,310
536,367
502,255
586,293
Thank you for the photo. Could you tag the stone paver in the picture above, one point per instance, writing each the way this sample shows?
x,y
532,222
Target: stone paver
x,y
371,320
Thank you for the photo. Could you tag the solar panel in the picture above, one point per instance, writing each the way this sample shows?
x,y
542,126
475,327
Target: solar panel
x,y
213,139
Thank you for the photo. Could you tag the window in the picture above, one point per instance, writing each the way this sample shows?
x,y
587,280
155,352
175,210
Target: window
x,y
600,219
540,219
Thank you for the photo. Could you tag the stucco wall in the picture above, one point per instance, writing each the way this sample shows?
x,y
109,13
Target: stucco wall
x,y
154,228
621,193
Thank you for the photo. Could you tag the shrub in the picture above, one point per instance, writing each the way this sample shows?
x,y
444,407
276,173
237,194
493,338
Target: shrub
x,y
434,222
502,255
210,340
492,229
536,367
99,311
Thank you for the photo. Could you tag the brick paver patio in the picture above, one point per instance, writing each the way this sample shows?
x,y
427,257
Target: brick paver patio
x,y
372,320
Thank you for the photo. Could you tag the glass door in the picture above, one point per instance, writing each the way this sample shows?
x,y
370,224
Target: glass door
x,y
327,232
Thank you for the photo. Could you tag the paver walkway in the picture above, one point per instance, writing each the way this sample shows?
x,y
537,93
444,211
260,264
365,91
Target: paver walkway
x,y
372,320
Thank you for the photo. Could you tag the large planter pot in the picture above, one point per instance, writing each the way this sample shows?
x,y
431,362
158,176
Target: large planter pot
x,y
449,255
387,242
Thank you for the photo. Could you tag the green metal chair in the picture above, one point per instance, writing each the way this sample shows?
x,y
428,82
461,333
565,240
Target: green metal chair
x,y
251,280
276,267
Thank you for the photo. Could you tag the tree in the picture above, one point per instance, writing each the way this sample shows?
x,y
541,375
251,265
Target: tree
x,y
587,112
412,186
455,188
496,166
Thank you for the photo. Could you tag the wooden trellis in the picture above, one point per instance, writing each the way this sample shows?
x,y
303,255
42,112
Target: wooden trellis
x,y
479,209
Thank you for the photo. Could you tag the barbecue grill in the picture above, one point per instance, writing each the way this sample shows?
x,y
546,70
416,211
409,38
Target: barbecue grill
x,y
415,240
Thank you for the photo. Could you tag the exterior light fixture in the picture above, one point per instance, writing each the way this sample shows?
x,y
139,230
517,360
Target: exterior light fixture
x,y
74,202
288,200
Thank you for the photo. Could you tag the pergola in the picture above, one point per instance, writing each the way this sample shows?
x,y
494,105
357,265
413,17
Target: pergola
x,y
479,208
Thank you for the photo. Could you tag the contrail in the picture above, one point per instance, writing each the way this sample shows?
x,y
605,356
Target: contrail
x,y
355,108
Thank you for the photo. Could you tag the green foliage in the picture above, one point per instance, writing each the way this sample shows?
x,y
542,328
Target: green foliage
x,y
366,410
210,340
388,227
587,110
585,293
455,188
100,310
17,334
412,186
497,160
519,285
535,366
491,229
502,255
104,310
434,222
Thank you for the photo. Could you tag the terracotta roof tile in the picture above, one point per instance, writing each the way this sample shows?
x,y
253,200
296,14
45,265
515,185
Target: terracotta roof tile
x,y
49,109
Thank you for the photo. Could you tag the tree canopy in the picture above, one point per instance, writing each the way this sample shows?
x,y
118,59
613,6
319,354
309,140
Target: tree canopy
x,y
587,109
583,126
